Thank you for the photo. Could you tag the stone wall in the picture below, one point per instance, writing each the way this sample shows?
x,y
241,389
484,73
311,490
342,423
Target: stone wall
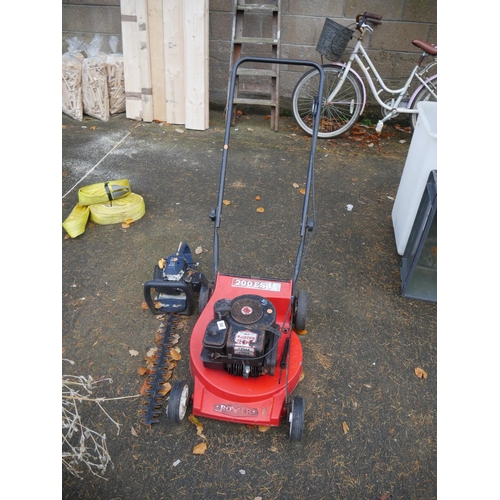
x,y
389,47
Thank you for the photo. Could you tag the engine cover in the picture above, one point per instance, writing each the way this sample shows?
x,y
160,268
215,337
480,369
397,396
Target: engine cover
x,y
242,336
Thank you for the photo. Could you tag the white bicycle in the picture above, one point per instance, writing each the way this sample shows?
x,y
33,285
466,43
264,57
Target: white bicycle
x,y
344,95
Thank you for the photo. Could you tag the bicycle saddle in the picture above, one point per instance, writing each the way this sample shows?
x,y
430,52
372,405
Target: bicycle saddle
x,y
430,48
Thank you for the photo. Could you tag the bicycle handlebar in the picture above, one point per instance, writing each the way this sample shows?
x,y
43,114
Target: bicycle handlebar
x,y
368,17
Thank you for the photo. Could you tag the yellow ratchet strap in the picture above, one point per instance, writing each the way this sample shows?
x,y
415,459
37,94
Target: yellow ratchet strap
x,y
109,202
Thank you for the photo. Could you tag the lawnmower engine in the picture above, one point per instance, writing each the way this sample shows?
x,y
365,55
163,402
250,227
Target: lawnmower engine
x,y
242,338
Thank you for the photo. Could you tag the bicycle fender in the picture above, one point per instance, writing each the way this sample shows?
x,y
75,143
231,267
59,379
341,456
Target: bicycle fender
x,y
360,80
412,98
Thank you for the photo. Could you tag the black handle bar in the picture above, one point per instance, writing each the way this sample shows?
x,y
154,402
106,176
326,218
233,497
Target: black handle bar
x,y
368,17
216,214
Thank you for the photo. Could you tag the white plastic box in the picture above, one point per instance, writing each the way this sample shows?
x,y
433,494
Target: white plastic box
x,y
421,160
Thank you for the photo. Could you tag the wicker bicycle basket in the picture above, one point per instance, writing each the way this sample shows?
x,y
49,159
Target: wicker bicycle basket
x,y
333,40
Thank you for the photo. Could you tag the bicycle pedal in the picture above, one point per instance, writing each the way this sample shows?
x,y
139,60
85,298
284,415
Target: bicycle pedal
x,y
379,126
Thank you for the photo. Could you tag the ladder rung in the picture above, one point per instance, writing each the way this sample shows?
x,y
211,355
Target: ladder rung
x,y
247,39
261,102
255,6
256,72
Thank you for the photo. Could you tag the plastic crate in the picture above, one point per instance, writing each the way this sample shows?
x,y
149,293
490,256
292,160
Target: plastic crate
x,y
420,161
419,264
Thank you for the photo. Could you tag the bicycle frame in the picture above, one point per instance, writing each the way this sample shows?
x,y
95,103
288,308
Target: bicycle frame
x,y
395,107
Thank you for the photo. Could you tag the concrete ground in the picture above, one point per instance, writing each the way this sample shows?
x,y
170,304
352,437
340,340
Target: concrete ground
x,y
370,421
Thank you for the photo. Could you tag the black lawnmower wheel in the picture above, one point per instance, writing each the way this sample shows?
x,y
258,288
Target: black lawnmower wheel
x,y
300,310
178,402
296,418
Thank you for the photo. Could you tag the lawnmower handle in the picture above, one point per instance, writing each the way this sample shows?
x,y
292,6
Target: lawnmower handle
x,y
216,215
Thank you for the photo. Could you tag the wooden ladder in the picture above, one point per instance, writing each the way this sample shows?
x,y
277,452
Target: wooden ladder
x,y
261,82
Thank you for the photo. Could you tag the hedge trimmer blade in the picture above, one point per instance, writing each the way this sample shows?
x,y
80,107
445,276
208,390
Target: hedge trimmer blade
x,y
161,371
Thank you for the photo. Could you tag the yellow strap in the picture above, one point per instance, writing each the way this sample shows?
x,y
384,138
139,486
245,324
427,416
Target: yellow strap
x,y
109,202
103,192
75,224
130,207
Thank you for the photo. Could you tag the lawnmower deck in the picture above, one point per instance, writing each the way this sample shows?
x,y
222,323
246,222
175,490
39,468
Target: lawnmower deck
x,y
260,400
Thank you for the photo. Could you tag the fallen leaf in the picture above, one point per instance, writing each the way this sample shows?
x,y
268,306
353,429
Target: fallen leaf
x,y
420,373
302,377
273,449
295,185
144,305
196,422
385,496
226,202
345,427
175,355
161,263
300,332
264,428
257,198
200,449
193,419
129,220
125,225
133,352
407,130
93,127
239,112
267,117
179,130
134,432
165,389
260,210
144,387
302,191
158,305
142,371
198,250
151,352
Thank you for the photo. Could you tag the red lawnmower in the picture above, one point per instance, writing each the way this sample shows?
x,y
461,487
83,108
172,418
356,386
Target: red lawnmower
x,y
245,354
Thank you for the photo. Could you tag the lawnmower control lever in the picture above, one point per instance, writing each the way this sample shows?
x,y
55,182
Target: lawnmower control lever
x,y
213,214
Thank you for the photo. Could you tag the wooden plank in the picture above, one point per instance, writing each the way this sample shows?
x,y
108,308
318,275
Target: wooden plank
x,y
144,62
173,34
130,43
196,63
155,18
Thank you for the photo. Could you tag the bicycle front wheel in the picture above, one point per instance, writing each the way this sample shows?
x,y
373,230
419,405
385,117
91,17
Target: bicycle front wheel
x,y
337,116
424,95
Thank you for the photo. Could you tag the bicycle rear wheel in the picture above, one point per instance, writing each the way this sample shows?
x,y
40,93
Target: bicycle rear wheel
x,y
423,95
337,116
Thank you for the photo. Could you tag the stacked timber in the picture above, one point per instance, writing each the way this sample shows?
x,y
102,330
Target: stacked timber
x,y
165,49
